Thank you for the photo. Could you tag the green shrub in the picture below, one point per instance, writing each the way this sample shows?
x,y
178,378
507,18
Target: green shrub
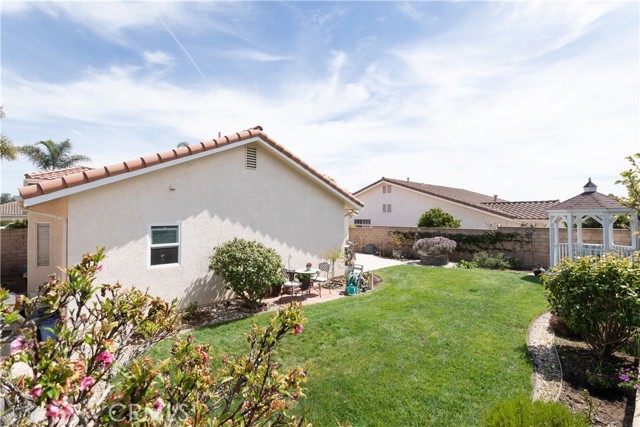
x,y
521,411
598,299
21,223
498,261
466,264
248,267
436,217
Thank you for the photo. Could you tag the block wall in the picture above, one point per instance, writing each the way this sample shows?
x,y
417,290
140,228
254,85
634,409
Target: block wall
x,y
13,251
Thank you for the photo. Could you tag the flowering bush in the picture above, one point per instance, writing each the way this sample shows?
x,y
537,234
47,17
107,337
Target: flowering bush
x,y
248,267
91,374
434,246
630,378
597,297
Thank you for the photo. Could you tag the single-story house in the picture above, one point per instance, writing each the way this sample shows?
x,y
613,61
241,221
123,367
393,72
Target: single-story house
x,y
400,203
12,211
160,216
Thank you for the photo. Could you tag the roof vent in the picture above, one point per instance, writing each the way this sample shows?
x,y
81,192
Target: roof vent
x,y
251,158
590,187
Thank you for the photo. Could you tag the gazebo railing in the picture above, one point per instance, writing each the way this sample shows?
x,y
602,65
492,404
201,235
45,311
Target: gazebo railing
x,y
590,249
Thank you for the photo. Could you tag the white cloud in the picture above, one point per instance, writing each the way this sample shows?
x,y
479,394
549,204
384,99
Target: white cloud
x,y
158,57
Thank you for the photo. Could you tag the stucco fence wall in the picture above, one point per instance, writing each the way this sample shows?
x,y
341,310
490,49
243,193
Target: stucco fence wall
x,y
530,248
13,251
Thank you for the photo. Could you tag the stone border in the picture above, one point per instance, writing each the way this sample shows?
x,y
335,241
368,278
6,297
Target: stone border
x,y
547,370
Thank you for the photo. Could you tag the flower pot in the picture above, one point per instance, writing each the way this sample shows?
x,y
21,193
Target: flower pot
x,y
434,259
276,290
396,253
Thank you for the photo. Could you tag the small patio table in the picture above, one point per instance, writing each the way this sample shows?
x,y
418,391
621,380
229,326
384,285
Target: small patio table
x,y
305,277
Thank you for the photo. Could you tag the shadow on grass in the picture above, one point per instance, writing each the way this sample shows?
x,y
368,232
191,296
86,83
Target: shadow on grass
x,y
532,279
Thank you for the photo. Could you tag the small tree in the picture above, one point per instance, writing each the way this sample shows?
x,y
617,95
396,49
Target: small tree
x,y
598,299
248,267
436,217
333,255
631,180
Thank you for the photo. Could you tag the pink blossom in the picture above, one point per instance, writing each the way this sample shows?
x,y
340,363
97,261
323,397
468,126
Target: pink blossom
x,y
106,358
67,410
17,344
86,383
99,268
158,405
247,404
52,411
298,329
36,391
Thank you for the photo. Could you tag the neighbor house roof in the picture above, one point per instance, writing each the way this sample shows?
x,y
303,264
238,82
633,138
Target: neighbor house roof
x,y
492,204
12,210
91,176
524,210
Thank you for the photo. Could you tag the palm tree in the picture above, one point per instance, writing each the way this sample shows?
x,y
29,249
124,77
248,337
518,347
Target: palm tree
x,y
183,144
8,151
55,155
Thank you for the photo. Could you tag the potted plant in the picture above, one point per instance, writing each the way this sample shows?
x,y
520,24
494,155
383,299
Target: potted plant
x,y
434,250
395,241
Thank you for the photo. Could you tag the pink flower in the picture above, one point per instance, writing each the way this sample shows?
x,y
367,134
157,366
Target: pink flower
x,y
158,405
52,411
106,358
86,383
17,344
298,329
65,408
36,391
99,268
247,404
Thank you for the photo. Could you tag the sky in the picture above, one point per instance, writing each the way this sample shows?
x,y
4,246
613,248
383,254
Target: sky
x,y
526,100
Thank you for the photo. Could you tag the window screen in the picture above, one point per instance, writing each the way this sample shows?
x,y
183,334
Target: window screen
x,y
43,244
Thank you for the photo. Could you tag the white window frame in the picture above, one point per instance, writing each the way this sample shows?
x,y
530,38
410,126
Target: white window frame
x,y
39,247
178,244
362,223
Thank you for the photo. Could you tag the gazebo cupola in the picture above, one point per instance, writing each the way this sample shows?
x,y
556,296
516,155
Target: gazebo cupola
x,y
573,212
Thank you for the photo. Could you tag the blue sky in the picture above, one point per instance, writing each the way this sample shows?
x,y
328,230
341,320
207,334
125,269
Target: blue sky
x,y
521,99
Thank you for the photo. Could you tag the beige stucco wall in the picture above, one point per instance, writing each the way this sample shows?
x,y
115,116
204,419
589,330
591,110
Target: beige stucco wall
x,y
407,206
215,198
54,213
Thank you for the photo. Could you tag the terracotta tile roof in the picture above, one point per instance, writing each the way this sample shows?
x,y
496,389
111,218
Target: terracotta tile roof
x,y
536,209
12,209
589,200
96,174
54,174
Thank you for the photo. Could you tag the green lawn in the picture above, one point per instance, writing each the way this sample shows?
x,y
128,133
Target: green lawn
x,y
430,347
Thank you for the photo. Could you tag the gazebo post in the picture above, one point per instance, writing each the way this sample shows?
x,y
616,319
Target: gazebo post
x,y
570,236
579,219
553,230
606,233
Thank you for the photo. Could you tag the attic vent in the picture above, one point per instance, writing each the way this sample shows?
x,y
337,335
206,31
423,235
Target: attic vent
x,y
252,158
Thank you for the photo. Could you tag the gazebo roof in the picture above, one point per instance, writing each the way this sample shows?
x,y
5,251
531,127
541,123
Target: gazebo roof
x,y
591,200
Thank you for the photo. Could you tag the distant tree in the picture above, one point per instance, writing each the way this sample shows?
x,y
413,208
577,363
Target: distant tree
x,y
8,151
631,180
183,144
6,198
55,155
436,217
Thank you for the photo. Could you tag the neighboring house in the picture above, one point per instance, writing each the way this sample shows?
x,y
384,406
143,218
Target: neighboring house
x,y
12,212
400,203
160,216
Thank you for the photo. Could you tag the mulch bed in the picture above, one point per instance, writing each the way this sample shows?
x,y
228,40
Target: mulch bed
x,y
609,406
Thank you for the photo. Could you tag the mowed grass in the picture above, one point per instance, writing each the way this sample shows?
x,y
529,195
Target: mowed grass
x,y
430,347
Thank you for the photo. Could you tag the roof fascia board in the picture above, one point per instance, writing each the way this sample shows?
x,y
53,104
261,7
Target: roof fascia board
x,y
110,180
310,175
586,211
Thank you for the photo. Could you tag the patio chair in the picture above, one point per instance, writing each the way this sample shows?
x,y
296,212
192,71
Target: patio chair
x,y
290,283
321,279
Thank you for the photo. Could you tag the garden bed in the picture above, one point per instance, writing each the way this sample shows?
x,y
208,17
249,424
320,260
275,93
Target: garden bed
x,y
609,406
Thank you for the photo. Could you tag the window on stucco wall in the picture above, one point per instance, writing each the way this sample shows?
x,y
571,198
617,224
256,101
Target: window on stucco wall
x,y
165,245
43,236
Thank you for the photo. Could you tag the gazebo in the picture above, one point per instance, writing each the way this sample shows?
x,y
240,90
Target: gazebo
x,y
573,212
